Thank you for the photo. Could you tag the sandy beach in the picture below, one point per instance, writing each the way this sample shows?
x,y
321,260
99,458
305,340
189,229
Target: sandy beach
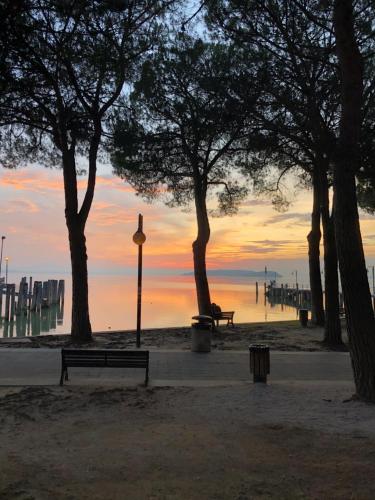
x,y
283,440
281,336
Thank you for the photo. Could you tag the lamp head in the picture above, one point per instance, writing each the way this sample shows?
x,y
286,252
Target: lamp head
x,y
139,237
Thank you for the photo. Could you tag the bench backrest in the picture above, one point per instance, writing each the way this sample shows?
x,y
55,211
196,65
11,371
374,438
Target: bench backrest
x,y
105,357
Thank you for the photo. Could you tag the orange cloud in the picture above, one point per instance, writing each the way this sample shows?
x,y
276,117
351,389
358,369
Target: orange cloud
x,y
115,183
22,180
16,206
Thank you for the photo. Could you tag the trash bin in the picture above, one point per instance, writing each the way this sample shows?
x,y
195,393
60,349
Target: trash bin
x,y
201,333
303,316
259,362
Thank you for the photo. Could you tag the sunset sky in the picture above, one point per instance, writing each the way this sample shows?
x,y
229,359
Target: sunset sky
x,y
32,219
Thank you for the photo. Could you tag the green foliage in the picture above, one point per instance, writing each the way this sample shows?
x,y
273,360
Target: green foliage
x,y
191,113
68,61
366,195
301,110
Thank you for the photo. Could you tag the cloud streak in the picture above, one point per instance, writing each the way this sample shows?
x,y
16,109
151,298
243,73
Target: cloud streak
x,y
295,218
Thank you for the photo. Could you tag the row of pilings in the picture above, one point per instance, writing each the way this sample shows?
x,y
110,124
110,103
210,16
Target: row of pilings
x,y
299,298
30,297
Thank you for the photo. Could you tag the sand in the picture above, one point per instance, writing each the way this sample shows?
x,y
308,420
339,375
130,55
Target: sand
x,y
277,441
281,336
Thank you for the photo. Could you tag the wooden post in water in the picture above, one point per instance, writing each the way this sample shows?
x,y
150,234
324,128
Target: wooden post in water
x,y
39,296
60,312
19,301
25,290
61,292
10,306
54,291
22,296
7,302
33,297
2,289
30,294
45,294
12,301
49,293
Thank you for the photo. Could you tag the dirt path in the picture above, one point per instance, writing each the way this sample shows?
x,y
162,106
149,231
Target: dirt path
x,y
245,442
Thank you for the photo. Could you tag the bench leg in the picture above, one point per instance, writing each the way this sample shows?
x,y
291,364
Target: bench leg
x,y
62,376
146,379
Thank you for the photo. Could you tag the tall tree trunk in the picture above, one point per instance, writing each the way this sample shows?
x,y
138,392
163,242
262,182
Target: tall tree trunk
x,y
81,326
199,252
359,312
332,329
75,221
313,238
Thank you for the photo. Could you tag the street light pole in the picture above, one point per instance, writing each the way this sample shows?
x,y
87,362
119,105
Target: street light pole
x,y
6,270
139,238
1,252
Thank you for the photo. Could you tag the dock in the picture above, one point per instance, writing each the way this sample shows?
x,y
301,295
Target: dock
x,y
35,305
300,298
295,297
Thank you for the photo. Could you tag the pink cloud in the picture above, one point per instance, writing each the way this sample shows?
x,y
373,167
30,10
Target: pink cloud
x,y
17,206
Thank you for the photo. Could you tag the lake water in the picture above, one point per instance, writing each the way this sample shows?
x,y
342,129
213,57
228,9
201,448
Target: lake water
x,y
167,301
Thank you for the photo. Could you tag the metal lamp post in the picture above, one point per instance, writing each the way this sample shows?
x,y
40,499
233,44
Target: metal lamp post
x,y
139,238
6,270
1,252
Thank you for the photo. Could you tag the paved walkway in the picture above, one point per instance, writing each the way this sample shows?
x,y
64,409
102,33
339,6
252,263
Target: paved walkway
x,y
42,367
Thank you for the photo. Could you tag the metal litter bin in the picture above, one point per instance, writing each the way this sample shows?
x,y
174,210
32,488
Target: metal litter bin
x,y
259,362
303,316
201,332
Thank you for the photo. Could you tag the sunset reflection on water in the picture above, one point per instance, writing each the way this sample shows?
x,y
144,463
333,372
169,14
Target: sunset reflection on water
x,y
167,301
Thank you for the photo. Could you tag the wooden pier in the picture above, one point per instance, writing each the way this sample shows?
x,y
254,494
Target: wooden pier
x,y
300,298
295,297
30,296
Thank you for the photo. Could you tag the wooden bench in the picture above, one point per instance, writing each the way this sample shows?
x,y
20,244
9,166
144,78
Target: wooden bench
x,y
111,358
217,314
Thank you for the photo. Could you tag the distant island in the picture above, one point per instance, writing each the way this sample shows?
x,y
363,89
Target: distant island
x,y
239,273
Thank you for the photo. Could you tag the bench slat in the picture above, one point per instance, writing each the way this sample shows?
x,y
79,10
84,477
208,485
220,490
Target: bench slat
x,y
97,352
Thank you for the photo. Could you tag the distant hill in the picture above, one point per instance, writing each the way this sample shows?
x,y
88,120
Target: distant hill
x,y
239,273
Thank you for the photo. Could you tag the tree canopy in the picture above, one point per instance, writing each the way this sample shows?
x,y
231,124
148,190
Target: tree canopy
x,y
188,122
67,65
192,115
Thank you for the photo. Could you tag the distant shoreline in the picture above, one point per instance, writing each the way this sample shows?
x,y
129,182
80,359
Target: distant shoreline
x,y
239,273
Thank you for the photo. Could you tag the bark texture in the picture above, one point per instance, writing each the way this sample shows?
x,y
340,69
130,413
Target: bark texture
x,y
359,312
313,238
332,328
199,252
76,221
81,326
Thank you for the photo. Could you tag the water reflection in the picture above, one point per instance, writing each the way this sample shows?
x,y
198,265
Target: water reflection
x,y
168,301
33,323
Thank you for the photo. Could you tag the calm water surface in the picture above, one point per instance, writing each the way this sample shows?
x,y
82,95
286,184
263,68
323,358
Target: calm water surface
x,y
167,301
